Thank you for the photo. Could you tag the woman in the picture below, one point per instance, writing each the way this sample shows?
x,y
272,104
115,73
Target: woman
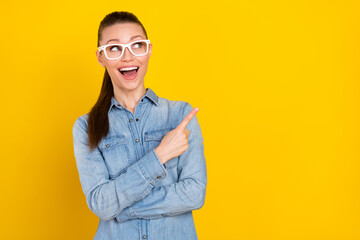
x,y
140,157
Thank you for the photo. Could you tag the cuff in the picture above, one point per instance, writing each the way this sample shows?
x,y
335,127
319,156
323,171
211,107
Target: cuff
x,y
151,168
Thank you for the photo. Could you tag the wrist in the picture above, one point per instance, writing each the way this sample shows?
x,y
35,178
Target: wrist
x,y
160,155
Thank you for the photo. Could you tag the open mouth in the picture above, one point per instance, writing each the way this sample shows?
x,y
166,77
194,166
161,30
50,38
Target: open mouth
x,y
128,72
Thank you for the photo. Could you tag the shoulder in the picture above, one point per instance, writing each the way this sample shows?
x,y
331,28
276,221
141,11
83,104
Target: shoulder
x,y
178,110
80,124
175,105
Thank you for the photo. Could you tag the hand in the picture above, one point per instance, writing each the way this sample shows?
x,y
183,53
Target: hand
x,y
175,142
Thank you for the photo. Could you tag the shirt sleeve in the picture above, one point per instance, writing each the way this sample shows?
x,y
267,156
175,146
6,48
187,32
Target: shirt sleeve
x,y
107,198
187,194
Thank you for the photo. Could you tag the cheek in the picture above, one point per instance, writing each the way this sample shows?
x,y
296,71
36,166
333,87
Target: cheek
x,y
144,62
111,64
113,72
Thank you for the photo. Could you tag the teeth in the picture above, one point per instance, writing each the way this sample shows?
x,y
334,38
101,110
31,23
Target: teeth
x,y
128,68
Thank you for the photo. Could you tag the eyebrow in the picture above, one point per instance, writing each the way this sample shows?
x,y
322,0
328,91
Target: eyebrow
x,y
115,39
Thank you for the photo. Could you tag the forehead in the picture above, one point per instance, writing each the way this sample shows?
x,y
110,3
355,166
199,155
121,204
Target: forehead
x,y
122,32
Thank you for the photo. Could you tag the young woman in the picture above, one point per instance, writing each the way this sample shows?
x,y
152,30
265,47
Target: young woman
x,y
140,157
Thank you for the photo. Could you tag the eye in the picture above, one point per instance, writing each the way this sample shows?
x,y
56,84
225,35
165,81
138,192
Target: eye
x,y
138,45
115,48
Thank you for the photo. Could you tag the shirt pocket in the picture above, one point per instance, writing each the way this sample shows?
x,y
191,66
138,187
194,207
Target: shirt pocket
x,y
152,139
116,155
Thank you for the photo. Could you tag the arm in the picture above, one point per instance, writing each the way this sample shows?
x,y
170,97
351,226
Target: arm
x,y
185,195
107,198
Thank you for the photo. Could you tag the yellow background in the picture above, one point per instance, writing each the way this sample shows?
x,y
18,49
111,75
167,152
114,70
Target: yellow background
x,y
277,84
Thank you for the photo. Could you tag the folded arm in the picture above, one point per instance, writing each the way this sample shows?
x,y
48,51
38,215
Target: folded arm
x,y
107,198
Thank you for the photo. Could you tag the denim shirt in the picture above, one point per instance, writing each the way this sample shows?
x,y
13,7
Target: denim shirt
x,y
134,195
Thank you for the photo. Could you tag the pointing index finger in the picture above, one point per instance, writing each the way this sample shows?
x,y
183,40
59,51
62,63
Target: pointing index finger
x,y
187,119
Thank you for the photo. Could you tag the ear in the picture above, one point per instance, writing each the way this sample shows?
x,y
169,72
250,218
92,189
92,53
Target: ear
x,y
99,58
150,48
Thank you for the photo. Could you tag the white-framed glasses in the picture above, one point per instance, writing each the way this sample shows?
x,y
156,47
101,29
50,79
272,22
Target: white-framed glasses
x,y
116,50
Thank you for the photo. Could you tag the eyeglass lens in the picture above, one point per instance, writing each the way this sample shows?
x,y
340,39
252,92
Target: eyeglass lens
x,y
137,48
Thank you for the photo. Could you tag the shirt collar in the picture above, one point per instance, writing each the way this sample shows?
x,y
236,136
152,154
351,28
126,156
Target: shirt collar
x,y
150,94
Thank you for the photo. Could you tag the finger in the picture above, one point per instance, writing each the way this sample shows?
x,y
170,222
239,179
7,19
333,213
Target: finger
x,y
187,119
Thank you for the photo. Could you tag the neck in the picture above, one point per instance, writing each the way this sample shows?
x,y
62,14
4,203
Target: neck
x,y
129,99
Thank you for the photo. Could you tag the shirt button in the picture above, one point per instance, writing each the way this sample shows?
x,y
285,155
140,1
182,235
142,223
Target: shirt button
x,y
144,237
137,119
107,145
158,177
142,100
130,119
137,140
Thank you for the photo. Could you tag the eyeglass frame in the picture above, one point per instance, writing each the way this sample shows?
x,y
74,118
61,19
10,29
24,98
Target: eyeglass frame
x,y
124,46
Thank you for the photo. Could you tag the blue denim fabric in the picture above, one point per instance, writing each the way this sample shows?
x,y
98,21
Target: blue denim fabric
x,y
124,182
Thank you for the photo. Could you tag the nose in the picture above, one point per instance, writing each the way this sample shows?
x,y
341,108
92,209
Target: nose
x,y
127,55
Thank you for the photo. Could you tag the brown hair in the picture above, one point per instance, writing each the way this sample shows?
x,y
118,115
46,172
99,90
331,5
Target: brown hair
x,y
98,121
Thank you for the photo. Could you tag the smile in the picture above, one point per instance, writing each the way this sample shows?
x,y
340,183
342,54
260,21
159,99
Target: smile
x,y
129,72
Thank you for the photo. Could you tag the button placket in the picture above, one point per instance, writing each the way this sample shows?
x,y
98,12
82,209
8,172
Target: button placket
x,y
144,228
133,124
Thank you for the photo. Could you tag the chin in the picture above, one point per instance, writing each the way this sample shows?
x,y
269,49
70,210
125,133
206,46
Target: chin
x,y
127,85
130,86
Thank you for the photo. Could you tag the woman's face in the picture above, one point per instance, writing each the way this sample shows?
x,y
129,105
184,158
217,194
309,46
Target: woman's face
x,y
124,33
